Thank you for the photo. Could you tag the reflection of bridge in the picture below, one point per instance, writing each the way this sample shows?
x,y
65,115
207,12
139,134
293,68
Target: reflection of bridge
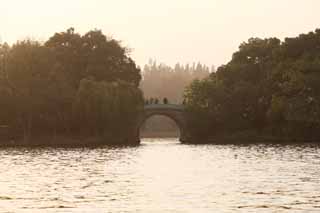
x,y
173,111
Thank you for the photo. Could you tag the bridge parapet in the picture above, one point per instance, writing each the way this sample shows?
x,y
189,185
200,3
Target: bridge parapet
x,y
164,106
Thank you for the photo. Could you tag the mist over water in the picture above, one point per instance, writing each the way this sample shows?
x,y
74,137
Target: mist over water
x,y
161,175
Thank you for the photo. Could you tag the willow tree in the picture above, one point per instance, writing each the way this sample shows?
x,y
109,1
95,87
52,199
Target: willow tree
x,y
104,108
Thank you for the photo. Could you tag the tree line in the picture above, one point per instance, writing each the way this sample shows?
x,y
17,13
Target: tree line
x,y
163,81
71,84
270,87
87,85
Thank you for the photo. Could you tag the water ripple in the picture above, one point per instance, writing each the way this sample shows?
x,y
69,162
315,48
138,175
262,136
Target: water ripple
x,y
161,176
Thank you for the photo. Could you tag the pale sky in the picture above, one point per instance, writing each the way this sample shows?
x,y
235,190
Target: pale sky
x,y
171,31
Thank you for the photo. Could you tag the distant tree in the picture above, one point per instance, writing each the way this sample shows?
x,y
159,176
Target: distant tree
x,y
151,101
4,50
161,80
146,102
156,101
165,101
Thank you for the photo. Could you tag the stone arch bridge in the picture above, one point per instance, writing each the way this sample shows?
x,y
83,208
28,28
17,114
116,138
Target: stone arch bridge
x,y
173,111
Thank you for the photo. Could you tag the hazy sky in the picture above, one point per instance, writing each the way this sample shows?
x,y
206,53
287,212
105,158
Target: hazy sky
x,y
170,31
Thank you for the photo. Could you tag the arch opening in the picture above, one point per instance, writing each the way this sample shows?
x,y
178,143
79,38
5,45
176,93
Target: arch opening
x,y
159,126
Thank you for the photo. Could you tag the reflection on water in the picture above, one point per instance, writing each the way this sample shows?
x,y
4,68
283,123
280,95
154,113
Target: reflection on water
x,y
161,176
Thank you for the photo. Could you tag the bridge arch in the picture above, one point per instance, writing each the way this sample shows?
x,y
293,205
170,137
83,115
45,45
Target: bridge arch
x,y
172,111
170,120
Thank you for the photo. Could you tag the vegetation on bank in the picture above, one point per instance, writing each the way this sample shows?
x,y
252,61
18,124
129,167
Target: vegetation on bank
x,y
71,85
86,88
270,88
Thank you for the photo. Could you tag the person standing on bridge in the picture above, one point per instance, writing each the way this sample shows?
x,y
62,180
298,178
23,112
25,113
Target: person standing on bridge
x,y
165,101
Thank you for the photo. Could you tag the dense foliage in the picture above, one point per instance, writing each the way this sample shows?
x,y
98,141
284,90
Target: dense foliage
x,y
71,84
269,87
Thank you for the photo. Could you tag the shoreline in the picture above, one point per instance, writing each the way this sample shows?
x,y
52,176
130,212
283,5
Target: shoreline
x,y
237,138
244,138
64,142
160,134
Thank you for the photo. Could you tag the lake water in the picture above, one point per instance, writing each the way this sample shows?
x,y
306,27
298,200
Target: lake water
x,y
161,176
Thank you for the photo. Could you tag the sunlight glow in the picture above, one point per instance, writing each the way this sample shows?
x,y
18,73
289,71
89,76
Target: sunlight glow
x,y
208,31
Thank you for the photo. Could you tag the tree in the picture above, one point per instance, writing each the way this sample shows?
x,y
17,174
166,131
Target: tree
x,y
165,101
184,102
92,55
104,108
267,84
72,83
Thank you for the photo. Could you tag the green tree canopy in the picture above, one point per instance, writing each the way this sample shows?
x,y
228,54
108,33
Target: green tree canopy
x,y
71,83
267,83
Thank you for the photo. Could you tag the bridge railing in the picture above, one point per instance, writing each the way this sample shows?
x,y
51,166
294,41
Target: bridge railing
x,y
164,106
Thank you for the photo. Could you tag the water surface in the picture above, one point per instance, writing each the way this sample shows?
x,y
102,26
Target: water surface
x,y
161,176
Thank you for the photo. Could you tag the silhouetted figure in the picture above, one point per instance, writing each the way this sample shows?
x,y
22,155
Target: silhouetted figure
x,y
156,101
146,102
184,102
165,101
151,100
